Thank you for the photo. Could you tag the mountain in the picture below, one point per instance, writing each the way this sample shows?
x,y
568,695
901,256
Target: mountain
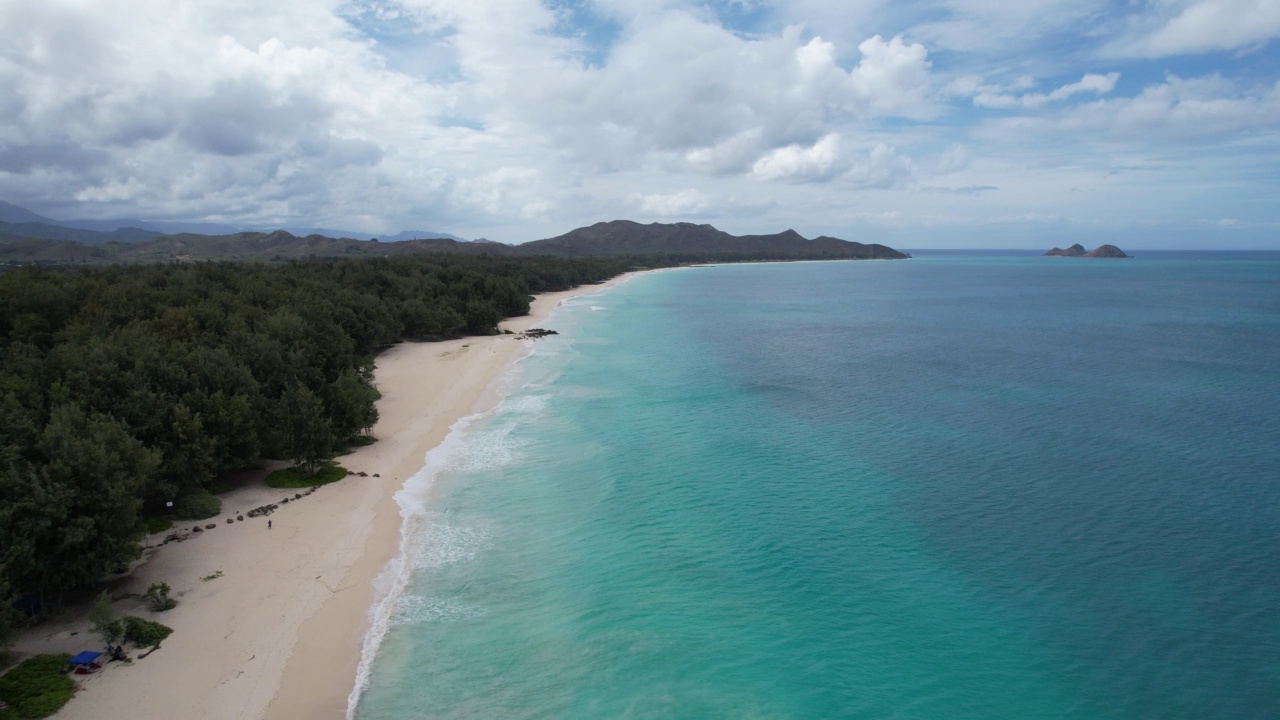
x,y
352,234
1077,250
680,242
133,230
48,231
624,237
11,213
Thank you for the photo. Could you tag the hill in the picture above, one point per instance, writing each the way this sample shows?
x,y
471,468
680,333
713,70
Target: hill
x,y
1077,250
679,242
624,237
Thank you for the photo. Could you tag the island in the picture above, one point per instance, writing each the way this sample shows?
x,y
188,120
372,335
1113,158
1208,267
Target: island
x,y
1077,250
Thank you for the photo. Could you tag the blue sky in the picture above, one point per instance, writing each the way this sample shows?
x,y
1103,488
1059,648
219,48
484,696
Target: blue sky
x,y
945,123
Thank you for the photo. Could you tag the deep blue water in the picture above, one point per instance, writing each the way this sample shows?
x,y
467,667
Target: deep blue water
x,y
960,486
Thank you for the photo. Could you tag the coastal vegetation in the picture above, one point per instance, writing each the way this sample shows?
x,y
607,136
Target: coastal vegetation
x,y
37,688
126,388
295,477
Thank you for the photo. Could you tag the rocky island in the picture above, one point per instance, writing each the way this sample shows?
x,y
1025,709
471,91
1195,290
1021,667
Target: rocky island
x,y
1077,250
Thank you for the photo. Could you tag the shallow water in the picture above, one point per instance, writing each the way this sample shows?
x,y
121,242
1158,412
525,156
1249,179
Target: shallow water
x,y
959,486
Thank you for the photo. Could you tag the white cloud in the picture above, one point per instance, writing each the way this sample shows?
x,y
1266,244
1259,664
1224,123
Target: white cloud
x,y
985,96
1207,25
683,203
1208,108
796,162
882,169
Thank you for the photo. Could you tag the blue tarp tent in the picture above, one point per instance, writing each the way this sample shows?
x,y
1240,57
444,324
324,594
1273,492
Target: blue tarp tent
x,y
86,661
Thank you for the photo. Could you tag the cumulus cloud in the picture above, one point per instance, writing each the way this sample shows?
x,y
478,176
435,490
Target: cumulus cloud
x,y
796,162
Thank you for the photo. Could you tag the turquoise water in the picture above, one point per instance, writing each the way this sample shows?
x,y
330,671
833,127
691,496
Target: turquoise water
x,y
952,487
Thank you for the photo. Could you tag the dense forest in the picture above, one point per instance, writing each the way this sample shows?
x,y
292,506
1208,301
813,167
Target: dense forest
x,y
123,388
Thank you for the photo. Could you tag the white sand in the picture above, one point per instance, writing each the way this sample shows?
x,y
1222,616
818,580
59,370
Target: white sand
x,y
278,634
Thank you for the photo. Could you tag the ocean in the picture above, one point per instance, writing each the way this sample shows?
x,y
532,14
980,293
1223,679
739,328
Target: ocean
x,y
958,486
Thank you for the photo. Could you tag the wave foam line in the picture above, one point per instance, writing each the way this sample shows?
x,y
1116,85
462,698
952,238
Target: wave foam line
x,y
393,581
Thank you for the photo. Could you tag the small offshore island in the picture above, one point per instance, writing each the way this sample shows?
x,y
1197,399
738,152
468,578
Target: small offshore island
x,y
1077,250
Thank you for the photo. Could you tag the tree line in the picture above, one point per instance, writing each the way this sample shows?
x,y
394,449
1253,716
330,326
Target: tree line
x,y
123,388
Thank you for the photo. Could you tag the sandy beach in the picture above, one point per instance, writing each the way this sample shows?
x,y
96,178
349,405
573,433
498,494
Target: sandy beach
x,y
271,620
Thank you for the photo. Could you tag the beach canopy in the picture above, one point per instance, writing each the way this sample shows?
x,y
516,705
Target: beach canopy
x,y
85,658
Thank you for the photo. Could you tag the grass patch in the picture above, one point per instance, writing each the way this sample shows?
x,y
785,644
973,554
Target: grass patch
x,y
37,688
197,505
158,525
298,478
219,488
214,576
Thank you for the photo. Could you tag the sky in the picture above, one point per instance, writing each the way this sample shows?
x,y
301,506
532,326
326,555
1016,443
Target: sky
x,y
935,123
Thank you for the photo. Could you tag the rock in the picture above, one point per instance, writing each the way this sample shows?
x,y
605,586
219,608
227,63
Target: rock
x,y
297,496
285,500
376,475
230,521
535,333
196,529
239,518
210,526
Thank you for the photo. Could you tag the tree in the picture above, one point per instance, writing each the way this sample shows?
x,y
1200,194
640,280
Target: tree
x,y
103,620
106,472
10,620
308,436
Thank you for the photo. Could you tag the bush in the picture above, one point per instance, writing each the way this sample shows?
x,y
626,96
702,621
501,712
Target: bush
x,y
220,488
296,477
38,687
158,525
197,505
158,594
145,633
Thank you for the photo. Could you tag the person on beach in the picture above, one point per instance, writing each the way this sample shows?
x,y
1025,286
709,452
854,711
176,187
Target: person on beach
x,y
268,524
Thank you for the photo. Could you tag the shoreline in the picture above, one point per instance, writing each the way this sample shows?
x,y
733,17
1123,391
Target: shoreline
x,y
272,620
320,652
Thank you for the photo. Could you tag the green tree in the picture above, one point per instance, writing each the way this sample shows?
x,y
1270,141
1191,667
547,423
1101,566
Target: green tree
x,y
309,439
103,620
106,471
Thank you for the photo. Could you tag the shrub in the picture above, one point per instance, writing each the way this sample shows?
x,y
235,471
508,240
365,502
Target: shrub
x,y
158,594
296,477
197,505
220,488
38,687
145,633
158,525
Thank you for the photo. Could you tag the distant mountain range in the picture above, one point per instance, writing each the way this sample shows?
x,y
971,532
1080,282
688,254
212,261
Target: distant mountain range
x,y
691,243
19,222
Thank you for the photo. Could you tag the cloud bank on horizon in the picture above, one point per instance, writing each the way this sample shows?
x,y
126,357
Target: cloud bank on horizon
x,y
967,123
